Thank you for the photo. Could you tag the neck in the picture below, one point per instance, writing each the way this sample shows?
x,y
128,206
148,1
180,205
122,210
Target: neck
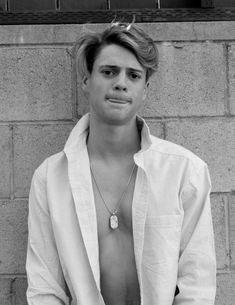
x,y
110,142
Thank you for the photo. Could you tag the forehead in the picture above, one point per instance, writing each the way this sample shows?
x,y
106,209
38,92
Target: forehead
x,y
115,55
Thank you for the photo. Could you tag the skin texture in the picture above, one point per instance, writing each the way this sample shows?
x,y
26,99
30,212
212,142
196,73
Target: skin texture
x,y
116,90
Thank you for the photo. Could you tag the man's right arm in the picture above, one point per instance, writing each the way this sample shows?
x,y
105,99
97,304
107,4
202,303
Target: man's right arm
x,y
46,284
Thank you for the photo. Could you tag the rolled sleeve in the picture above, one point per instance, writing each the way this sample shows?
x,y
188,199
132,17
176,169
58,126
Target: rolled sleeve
x,y
46,284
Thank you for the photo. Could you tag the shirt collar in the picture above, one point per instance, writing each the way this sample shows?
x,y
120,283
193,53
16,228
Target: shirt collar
x,y
78,135
146,141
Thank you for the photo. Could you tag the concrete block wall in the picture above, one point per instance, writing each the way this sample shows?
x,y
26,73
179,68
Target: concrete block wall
x,y
191,101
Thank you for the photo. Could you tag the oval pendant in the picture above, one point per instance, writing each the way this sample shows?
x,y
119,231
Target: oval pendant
x,y
113,222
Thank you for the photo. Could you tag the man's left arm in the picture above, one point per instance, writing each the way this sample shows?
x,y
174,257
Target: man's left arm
x,y
197,262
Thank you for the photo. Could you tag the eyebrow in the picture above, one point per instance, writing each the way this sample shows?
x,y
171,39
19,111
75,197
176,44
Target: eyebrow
x,y
117,67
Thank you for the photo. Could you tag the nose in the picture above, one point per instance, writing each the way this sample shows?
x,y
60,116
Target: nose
x,y
120,83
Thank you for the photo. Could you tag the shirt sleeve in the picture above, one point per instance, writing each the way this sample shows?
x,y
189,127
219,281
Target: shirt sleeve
x,y
197,262
46,284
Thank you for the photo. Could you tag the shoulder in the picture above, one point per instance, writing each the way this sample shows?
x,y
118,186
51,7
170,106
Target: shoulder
x,y
178,161
175,152
51,165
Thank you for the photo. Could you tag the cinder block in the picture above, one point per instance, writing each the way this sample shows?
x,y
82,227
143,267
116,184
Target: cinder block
x,y
219,204
32,144
168,31
183,31
213,141
217,30
225,289
231,59
5,291
20,287
43,33
35,84
13,231
232,228
191,80
5,153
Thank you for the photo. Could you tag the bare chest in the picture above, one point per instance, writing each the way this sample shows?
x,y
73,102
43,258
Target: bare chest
x,y
119,281
113,195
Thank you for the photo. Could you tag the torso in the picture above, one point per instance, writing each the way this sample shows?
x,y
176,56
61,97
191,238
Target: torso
x,y
119,281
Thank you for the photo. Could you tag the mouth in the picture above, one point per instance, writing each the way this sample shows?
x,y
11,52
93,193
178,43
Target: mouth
x,y
118,100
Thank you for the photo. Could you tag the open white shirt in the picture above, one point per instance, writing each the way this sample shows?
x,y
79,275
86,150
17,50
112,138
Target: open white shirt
x,y
172,226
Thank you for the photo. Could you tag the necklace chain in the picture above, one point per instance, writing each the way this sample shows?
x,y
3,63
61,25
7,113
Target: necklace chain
x,y
123,193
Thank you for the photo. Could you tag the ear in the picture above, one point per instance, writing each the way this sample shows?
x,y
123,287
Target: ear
x,y
145,90
85,83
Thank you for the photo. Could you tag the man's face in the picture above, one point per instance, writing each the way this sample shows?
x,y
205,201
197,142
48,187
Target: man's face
x,y
116,87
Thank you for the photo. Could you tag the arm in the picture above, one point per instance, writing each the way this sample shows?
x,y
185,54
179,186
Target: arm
x,y
197,264
46,285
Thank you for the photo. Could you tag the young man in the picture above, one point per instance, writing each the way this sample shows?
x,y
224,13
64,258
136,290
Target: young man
x,y
119,217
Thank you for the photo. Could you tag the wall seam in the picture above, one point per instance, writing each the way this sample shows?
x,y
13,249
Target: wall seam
x,y
74,119
39,122
194,41
227,93
227,226
71,44
12,291
189,117
12,163
220,193
49,45
13,275
164,129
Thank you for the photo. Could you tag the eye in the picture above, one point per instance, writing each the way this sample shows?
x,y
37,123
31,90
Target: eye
x,y
108,72
134,76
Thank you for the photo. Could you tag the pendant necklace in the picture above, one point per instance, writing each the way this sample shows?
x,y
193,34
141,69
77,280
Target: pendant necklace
x,y
113,219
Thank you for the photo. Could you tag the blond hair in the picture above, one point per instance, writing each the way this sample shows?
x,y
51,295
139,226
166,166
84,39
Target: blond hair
x,y
126,35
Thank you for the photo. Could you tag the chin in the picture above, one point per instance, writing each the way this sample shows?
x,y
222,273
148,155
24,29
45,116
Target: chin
x,y
117,119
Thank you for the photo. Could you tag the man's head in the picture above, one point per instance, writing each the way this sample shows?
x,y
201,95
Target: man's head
x,y
127,36
115,66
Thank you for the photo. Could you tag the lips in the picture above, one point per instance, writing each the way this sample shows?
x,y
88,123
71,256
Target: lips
x,y
118,99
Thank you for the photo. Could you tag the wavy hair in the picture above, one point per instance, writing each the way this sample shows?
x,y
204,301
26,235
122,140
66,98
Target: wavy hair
x,y
125,35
